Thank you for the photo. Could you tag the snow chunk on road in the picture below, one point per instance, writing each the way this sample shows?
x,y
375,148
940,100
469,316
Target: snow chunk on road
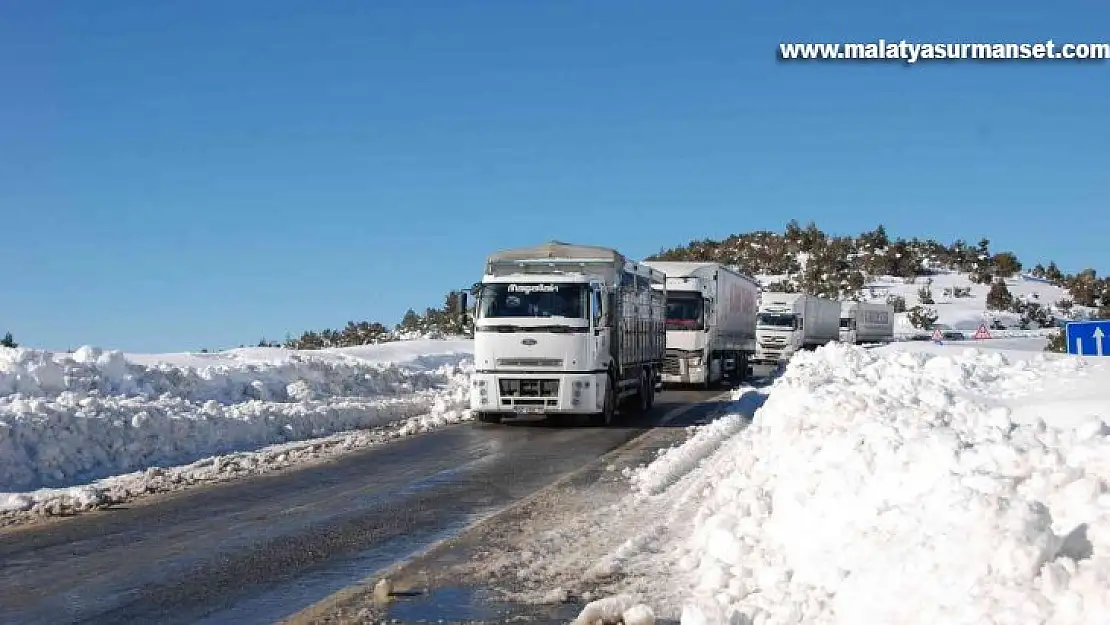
x,y
899,487
621,609
69,419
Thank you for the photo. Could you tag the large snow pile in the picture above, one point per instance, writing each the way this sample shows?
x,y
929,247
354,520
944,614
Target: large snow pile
x,y
68,419
891,486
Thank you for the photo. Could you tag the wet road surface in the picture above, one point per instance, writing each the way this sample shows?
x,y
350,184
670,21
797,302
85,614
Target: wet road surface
x,y
463,579
259,549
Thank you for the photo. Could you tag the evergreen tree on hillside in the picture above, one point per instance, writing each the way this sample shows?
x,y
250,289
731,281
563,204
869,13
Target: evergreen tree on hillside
x,y
1053,274
1084,288
1005,264
8,341
999,297
1104,300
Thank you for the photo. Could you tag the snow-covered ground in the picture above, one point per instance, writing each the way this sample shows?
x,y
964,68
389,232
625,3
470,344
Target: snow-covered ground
x,y
913,483
93,427
963,314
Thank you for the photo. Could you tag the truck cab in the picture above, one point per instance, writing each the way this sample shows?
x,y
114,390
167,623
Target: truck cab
x,y
562,329
547,339
778,333
688,319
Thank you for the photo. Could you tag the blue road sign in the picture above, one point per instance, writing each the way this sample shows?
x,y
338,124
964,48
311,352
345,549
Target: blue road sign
x,y
1088,338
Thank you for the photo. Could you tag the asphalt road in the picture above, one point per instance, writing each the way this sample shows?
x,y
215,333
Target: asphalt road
x,y
259,549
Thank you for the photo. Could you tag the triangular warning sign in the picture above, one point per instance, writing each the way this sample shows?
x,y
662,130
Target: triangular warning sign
x,y
981,333
937,336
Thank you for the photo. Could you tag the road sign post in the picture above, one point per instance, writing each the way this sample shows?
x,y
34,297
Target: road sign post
x,y
1088,338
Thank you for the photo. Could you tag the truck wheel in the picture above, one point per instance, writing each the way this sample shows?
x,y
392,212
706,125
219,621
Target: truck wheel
x,y
646,391
605,417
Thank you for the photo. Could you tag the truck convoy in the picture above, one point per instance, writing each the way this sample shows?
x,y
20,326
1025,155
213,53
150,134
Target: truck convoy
x,y
789,322
711,314
564,330
865,322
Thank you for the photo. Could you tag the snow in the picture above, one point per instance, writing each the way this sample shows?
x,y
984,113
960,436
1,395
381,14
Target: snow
x,y
619,609
93,427
963,314
907,484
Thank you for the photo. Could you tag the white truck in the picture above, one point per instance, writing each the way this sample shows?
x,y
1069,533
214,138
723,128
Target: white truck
x,y
866,322
790,322
565,330
711,313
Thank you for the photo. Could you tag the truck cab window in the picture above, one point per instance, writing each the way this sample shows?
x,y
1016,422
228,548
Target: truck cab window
x,y
533,300
782,321
685,312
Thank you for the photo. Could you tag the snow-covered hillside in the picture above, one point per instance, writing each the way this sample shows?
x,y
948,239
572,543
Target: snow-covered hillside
x,y
963,314
67,420
909,484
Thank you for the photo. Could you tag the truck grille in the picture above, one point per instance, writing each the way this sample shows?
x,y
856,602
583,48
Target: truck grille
x,y
528,388
670,364
554,363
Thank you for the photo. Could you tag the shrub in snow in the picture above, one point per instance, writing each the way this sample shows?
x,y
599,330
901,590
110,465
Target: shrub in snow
x,y
922,317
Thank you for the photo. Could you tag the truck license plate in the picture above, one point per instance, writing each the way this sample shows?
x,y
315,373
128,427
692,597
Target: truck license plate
x,y
529,409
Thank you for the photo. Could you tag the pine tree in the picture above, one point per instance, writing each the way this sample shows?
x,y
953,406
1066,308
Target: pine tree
x,y
1005,264
1053,274
999,297
8,341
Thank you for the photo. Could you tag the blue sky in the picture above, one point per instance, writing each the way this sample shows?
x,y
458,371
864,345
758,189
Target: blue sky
x,y
184,175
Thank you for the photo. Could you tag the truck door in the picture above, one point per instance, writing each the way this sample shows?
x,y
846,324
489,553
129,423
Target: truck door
x,y
599,338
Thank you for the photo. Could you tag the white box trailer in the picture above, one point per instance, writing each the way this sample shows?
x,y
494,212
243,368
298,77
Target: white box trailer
x,y
711,315
565,329
789,322
866,322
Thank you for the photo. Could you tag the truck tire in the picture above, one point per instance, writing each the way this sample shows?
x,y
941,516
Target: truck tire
x,y
647,390
605,417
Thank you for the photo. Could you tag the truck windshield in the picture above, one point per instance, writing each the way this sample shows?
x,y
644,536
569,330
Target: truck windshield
x,y
533,300
684,312
776,320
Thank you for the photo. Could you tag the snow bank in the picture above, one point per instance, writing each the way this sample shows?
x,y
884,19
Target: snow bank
x,y
68,419
888,486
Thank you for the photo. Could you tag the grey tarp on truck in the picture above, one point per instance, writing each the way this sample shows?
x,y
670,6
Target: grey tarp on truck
x,y
613,260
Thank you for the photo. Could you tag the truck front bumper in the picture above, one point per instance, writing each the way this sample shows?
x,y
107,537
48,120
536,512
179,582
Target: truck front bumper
x,y
685,374
683,367
771,357
510,393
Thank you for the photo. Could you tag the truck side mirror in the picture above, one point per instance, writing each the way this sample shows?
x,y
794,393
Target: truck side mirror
x,y
460,303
